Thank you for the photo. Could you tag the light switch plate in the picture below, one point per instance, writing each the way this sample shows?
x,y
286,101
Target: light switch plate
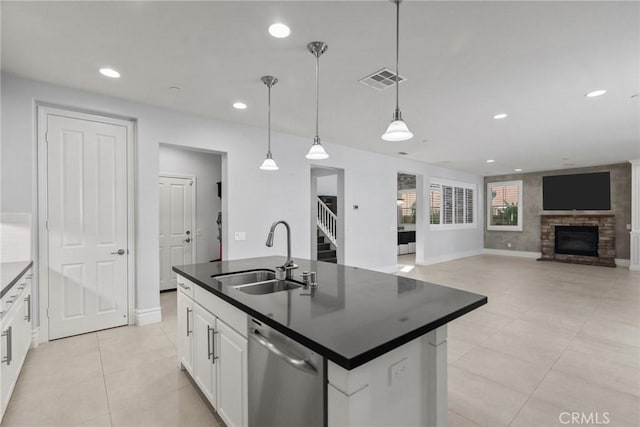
x,y
241,235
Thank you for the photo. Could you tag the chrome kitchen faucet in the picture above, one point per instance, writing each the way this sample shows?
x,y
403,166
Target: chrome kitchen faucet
x,y
285,270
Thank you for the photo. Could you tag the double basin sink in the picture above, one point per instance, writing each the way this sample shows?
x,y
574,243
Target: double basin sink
x,y
256,282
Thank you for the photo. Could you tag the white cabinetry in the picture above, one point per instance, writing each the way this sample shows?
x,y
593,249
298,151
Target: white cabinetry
x,y
204,370
232,376
15,324
185,332
212,347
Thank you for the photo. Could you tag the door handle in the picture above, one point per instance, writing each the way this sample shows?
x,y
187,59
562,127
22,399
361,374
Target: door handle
x,y
301,364
9,356
188,312
120,252
28,301
188,239
211,344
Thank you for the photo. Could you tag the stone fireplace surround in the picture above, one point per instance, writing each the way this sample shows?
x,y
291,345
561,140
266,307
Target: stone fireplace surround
x,y
604,220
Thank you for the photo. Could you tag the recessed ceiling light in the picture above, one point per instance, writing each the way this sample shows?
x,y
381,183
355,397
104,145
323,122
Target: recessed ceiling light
x,y
279,30
500,116
110,72
595,93
239,105
518,170
490,161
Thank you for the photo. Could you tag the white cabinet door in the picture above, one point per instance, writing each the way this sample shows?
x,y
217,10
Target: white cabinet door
x,y
185,332
204,361
11,342
231,349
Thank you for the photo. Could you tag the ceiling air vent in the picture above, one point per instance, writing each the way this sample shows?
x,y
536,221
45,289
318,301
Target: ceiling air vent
x,y
381,79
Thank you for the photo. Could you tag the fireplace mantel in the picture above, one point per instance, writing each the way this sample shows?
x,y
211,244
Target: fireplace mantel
x,y
576,213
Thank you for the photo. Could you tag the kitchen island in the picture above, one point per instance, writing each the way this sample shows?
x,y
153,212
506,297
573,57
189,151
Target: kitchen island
x,y
382,338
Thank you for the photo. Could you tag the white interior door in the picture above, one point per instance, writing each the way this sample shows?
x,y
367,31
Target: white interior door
x,y
87,205
176,218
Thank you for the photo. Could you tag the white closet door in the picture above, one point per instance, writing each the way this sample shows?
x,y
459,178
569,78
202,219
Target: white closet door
x,y
87,225
176,237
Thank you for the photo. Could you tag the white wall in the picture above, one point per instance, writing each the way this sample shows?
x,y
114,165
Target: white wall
x,y
207,168
253,199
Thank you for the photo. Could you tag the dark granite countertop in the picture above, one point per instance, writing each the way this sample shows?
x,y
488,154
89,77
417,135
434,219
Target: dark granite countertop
x,y
10,274
354,315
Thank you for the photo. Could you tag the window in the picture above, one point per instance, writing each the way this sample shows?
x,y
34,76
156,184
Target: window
x,y
407,206
504,206
451,205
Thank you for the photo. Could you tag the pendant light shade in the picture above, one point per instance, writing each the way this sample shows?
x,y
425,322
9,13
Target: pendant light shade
x,y
269,164
398,129
317,151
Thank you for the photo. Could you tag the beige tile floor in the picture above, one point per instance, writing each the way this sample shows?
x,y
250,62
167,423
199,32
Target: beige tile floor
x,y
553,338
125,376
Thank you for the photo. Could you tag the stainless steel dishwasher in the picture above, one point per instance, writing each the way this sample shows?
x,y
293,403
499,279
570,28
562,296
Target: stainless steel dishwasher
x,y
286,381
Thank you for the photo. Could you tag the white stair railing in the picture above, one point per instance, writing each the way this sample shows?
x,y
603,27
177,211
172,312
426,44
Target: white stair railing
x,y
327,222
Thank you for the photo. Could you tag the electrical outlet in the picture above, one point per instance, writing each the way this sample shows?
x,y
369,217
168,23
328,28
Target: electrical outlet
x,y
241,235
508,244
397,372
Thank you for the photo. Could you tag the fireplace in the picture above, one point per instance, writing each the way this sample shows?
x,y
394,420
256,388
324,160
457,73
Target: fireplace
x,y
581,238
576,240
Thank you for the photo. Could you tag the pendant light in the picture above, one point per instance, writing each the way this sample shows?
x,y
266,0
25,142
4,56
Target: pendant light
x,y
317,152
269,164
397,130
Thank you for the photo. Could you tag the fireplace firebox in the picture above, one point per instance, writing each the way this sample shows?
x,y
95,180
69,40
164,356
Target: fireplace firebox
x,y
577,240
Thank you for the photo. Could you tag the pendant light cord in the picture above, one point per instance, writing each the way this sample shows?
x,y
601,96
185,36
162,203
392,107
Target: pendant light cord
x,y
269,120
317,91
397,52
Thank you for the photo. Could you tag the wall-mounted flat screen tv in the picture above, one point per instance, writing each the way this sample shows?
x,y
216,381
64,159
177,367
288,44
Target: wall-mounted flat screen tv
x,y
584,191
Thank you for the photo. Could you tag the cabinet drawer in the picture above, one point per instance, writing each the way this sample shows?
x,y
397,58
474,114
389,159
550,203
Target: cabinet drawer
x,y
234,317
186,286
11,298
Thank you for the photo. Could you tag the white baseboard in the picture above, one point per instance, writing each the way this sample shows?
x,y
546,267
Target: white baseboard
x,y
507,252
634,267
147,316
621,262
449,257
35,337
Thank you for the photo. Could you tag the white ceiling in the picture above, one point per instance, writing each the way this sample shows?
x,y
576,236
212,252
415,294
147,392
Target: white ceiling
x,y
464,61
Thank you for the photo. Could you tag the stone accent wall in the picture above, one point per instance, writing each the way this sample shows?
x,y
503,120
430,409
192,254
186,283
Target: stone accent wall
x,y
606,238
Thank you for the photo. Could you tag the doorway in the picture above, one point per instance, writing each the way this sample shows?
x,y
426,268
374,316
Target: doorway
x,y
86,219
407,206
177,218
190,209
327,215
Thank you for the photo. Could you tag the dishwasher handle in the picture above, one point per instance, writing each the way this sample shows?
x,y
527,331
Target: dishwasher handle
x,y
301,364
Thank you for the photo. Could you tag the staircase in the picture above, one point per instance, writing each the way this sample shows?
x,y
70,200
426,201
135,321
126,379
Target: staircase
x,y
327,226
326,250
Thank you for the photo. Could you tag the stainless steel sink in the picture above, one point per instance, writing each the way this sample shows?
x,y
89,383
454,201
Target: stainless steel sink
x,y
267,287
247,277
